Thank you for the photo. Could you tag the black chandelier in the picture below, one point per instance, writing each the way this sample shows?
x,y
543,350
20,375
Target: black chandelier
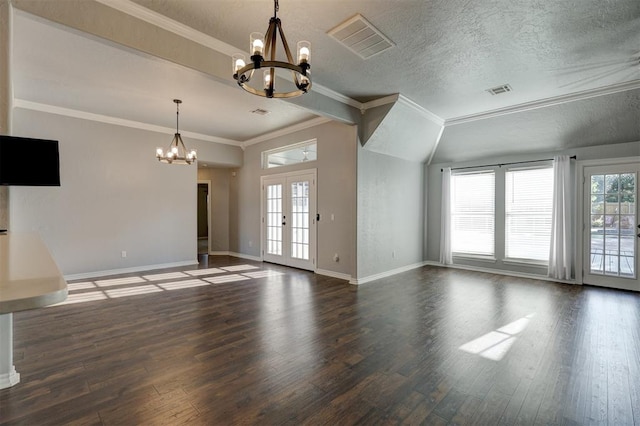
x,y
301,74
177,152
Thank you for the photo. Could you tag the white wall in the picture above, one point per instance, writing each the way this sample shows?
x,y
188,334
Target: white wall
x,y
434,191
390,213
114,196
336,188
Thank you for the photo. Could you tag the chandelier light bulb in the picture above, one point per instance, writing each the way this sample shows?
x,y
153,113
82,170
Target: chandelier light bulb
x,y
239,64
257,44
304,52
267,79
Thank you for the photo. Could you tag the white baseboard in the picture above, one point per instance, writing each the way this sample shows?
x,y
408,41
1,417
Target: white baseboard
x,y
9,379
128,270
501,272
234,254
333,274
358,281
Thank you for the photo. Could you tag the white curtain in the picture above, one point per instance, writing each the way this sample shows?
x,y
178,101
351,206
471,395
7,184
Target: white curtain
x,y
561,239
446,255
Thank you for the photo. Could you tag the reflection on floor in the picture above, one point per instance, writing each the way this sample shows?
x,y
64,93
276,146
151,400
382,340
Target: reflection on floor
x,y
203,246
88,291
495,344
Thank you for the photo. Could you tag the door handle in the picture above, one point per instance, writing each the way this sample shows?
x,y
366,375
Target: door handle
x,y
284,222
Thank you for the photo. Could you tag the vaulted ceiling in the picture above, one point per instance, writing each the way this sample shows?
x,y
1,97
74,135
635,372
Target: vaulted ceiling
x,y
573,68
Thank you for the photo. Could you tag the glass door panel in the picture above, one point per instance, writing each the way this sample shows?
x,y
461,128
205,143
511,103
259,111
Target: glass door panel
x,y
611,226
289,226
274,219
300,216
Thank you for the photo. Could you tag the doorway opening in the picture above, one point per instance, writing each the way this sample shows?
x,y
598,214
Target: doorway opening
x,y
611,229
203,217
289,219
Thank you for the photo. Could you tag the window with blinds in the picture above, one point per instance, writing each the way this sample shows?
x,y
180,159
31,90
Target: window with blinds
x,y
473,213
528,209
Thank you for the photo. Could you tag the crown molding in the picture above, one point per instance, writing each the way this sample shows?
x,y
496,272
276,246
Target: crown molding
x,y
336,96
67,112
385,100
286,131
542,103
154,18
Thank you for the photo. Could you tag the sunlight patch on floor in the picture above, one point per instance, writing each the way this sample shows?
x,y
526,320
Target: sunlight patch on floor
x,y
495,344
80,286
237,268
133,291
146,284
83,297
226,279
167,276
263,274
176,285
119,281
209,271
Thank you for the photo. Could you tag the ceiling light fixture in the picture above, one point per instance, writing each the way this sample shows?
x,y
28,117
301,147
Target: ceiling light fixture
x,y
243,72
177,152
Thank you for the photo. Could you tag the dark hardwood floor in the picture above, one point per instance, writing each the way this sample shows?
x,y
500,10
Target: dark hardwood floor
x,y
430,346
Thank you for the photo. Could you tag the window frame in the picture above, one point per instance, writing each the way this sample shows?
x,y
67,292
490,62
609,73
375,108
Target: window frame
x,y
523,260
295,146
468,255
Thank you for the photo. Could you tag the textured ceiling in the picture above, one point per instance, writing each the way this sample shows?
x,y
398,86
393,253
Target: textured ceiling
x,y
613,118
448,51
566,57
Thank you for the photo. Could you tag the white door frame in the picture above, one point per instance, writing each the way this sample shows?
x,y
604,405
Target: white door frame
x,y
581,245
312,214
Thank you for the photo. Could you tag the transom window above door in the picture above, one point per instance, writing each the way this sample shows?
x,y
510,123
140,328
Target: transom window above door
x,y
290,154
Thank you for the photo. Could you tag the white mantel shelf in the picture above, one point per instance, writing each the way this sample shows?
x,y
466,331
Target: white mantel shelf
x,y
29,279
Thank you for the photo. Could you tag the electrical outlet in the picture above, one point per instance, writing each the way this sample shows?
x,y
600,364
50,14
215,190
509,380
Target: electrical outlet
x,y
123,254
336,258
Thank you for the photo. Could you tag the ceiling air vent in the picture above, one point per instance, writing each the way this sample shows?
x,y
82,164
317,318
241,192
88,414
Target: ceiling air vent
x,y
361,37
260,111
499,89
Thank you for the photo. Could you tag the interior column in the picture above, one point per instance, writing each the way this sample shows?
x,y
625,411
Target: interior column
x,y
8,374
6,95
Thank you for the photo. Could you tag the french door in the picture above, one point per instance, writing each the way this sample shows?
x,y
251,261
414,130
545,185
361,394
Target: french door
x,y
611,226
289,219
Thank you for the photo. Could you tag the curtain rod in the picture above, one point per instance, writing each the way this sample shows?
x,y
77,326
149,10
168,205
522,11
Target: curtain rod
x,y
573,157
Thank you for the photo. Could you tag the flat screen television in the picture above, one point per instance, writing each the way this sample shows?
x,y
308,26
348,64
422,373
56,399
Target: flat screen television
x,y
29,162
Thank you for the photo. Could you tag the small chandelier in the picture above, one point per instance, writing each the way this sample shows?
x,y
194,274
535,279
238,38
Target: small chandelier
x,y
301,75
177,152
